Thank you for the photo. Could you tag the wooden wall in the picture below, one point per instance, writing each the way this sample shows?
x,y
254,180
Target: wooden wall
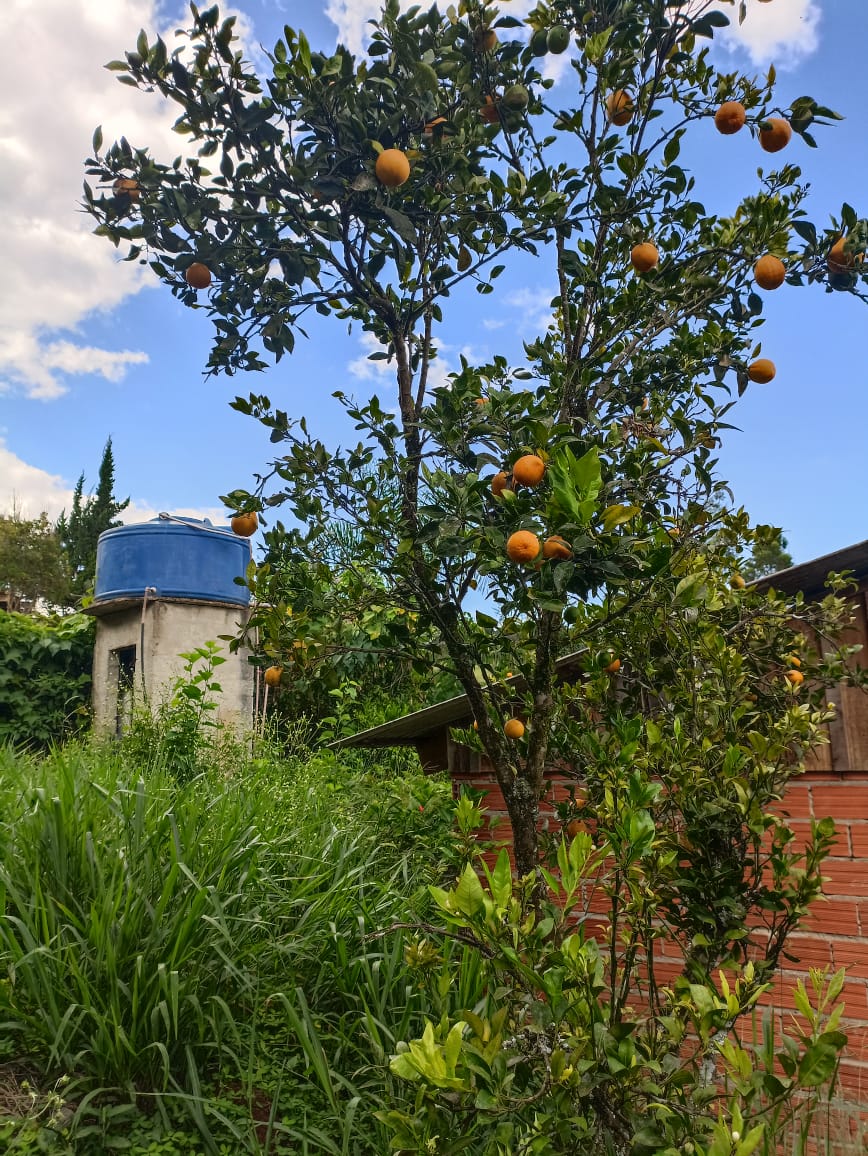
x,y
847,749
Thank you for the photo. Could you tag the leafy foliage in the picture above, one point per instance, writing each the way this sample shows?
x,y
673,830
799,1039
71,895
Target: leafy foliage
x,y
45,677
547,1061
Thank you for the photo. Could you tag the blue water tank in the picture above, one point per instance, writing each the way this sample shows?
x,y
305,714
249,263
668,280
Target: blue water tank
x,y
178,557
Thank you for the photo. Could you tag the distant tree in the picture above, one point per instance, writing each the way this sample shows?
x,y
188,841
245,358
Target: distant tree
x,y
769,554
89,517
31,562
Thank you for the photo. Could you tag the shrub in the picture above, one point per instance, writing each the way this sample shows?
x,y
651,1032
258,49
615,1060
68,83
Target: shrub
x,y
45,677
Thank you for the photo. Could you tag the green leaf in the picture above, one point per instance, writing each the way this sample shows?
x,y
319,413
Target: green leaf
x,y
500,880
616,515
468,897
817,1064
401,223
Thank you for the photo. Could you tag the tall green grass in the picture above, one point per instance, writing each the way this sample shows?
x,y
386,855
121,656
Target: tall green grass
x,y
203,947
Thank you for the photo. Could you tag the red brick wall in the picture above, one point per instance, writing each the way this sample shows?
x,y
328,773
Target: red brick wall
x,y
836,934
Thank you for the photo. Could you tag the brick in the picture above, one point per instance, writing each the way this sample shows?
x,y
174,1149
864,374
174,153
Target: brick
x,y
853,1080
848,799
811,951
858,839
834,917
852,954
796,803
846,877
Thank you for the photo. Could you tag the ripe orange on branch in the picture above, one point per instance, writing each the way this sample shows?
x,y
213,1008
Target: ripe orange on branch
x,y
762,371
489,112
644,257
522,546
513,728
245,524
730,117
557,548
775,134
273,675
620,107
198,276
392,168
613,667
127,187
839,260
795,677
769,272
529,470
499,483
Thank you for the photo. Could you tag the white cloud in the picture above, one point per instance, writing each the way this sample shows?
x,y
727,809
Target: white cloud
x,y
140,511
535,306
783,33
438,371
55,90
30,490
351,17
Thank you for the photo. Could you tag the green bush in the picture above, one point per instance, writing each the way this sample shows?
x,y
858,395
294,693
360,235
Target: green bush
x,y
45,677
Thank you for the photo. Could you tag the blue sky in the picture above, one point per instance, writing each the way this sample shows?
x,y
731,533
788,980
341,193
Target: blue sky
x,y
90,348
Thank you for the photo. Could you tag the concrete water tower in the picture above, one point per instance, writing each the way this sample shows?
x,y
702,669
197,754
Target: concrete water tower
x,y
164,587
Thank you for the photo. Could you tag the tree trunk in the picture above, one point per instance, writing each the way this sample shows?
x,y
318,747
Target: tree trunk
x,y
522,803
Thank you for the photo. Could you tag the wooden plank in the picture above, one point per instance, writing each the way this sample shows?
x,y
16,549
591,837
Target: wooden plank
x,y
854,704
820,758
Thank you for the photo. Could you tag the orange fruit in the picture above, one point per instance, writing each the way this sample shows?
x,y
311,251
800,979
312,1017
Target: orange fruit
x,y
794,660
840,261
513,728
198,276
613,667
762,371
730,117
392,168
775,135
244,524
273,675
522,546
485,40
499,483
432,124
489,112
127,187
644,257
574,827
620,107
480,401
556,548
737,582
529,470
794,677
769,272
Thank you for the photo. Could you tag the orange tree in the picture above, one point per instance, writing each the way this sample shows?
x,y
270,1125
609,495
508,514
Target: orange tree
x,y
374,190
